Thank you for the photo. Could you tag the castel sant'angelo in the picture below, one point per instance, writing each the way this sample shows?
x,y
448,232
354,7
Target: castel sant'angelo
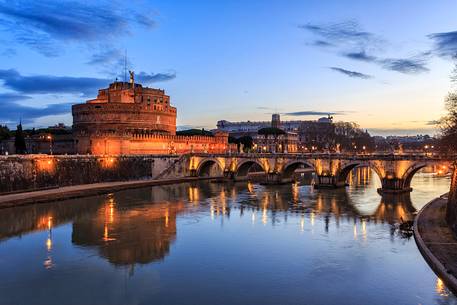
x,y
127,118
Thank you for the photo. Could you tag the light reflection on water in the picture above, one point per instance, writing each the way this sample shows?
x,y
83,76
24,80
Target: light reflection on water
x,y
207,243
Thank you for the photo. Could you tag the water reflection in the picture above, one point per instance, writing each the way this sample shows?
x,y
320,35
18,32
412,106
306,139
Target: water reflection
x,y
125,228
131,234
273,236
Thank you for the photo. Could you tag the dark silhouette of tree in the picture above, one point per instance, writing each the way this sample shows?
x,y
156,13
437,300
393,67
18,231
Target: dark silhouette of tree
x,y
5,133
271,131
448,123
19,140
232,140
194,132
247,142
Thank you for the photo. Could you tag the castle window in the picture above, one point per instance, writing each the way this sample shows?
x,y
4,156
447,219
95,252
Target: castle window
x,y
149,101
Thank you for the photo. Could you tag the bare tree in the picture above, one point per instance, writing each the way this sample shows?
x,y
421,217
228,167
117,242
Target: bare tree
x,y
448,123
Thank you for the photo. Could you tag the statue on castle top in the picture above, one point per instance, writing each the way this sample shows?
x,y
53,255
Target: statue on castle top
x,y
132,77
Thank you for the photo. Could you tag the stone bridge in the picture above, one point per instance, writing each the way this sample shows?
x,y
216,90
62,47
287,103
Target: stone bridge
x,y
394,171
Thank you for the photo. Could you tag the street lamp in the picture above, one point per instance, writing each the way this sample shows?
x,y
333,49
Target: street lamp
x,y
49,137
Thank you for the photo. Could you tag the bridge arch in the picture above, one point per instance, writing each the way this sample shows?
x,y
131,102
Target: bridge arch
x,y
410,172
292,166
243,168
207,166
347,168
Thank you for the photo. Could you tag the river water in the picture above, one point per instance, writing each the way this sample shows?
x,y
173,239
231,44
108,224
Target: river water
x,y
208,243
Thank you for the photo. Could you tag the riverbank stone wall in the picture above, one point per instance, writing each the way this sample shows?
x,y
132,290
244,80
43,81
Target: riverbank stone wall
x,y
33,172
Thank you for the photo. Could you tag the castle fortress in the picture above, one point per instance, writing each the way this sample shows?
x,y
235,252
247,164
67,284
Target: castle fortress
x,y
127,118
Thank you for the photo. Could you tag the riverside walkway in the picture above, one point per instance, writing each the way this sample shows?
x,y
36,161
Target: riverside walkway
x,y
437,242
75,191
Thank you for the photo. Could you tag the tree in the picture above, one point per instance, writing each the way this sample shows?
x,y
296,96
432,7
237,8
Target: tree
x,y
19,140
5,133
194,132
247,142
448,125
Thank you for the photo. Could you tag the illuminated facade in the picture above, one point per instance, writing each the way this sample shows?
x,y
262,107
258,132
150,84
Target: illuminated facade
x,y
127,118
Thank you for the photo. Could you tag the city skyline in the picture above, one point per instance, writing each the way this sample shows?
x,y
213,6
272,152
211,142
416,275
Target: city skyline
x,y
232,60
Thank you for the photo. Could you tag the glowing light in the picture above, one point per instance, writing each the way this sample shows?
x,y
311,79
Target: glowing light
x,y
46,165
49,222
355,231
111,212
364,229
49,244
264,216
105,233
250,187
48,264
440,288
193,194
312,219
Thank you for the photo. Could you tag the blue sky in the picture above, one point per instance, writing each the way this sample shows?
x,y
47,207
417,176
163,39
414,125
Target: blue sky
x,y
382,64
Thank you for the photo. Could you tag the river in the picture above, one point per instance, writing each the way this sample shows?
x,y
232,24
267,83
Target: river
x,y
213,243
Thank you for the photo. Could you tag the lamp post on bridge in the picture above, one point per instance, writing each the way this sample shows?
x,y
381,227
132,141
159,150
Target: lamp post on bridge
x,y
49,137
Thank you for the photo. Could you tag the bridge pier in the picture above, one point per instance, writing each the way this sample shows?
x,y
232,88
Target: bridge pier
x,y
394,186
276,178
328,181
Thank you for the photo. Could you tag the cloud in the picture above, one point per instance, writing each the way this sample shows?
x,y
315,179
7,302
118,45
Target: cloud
x,y
405,66
105,57
362,56
347,33
147,78
432,123
46,24
445,44
49,84
12,97
413,65
44,84
8,52
322,43
402,131
11,111
349,73
312,112
351,41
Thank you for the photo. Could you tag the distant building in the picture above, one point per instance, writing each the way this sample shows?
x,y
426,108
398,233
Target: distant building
x,y
127,118
273,139
309,133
